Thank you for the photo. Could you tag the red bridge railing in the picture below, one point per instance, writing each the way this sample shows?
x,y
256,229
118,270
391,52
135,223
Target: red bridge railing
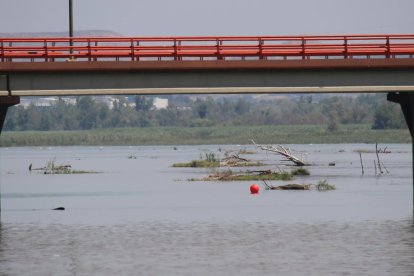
x,y
206,48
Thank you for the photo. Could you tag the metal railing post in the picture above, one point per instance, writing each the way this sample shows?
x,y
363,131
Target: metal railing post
x,y
346,47
388,48
71,28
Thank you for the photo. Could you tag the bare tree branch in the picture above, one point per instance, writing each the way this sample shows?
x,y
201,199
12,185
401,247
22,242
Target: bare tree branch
x,y
279,149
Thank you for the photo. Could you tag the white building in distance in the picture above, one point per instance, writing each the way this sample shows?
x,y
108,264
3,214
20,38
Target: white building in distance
x,y
160,103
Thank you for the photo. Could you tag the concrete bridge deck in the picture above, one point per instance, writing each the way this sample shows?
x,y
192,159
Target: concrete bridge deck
x,y
209,77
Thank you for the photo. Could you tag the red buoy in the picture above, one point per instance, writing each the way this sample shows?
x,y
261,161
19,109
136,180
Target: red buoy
x,y
254,189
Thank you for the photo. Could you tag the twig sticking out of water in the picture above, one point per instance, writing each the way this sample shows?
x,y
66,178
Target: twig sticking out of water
x,y
362,165
379,162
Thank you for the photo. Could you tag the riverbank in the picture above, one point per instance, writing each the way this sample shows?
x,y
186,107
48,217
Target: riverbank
x,y
303,134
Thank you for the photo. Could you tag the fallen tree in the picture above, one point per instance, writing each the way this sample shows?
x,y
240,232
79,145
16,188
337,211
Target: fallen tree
x,y
285,152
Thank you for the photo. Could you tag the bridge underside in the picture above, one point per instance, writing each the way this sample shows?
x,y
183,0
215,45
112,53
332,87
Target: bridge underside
x,y
209,77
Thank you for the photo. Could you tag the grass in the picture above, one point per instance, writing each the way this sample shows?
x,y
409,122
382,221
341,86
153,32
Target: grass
x,y
272,176
197,164
52,168
323,185
295,134
209,161
229,175
300,171
245,164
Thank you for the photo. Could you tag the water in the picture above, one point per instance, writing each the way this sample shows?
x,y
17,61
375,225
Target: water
x,y
141,216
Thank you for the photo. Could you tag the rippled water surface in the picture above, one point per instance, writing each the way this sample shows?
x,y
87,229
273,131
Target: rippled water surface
x,y
139,216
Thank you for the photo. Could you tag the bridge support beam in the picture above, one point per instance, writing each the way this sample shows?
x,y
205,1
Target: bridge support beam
x,y
5,103
406,100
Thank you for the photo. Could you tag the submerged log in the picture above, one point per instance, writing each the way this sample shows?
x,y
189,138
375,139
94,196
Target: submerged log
x,y
288,187
249,175
291,187
321,186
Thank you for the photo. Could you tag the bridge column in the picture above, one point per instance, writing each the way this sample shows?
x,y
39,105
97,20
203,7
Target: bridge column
x,y
5,103
406,100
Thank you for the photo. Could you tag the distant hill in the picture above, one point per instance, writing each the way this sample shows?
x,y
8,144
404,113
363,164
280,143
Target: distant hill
x,y
95,33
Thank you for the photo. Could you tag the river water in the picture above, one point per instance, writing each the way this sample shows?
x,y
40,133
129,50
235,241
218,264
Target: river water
x,y
139,216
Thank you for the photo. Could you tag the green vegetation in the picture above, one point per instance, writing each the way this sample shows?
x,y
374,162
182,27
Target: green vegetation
x,y
229,175
197,164
271,176
210,160
295,134
323,185
53,168
243,164
86,113
300,171
207,120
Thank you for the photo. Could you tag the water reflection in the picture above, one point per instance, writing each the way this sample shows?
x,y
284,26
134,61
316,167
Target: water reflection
x,y
363,248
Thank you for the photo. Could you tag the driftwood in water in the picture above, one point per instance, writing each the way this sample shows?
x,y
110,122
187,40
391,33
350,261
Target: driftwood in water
x,y
279,149
249,175
291,187
288,187
51,170
321,186
233,160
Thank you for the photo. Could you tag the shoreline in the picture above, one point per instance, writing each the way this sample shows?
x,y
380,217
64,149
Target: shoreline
x,y
294,134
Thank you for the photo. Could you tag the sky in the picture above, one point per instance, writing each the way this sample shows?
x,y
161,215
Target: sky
x,y
211,17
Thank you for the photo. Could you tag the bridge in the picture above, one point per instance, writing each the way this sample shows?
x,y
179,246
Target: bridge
x,y
196,65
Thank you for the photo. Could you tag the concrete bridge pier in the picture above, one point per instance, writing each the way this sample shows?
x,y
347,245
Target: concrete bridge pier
x,y
5,103
406,100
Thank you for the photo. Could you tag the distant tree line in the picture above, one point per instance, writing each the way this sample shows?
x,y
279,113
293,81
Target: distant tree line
x,y
186,111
